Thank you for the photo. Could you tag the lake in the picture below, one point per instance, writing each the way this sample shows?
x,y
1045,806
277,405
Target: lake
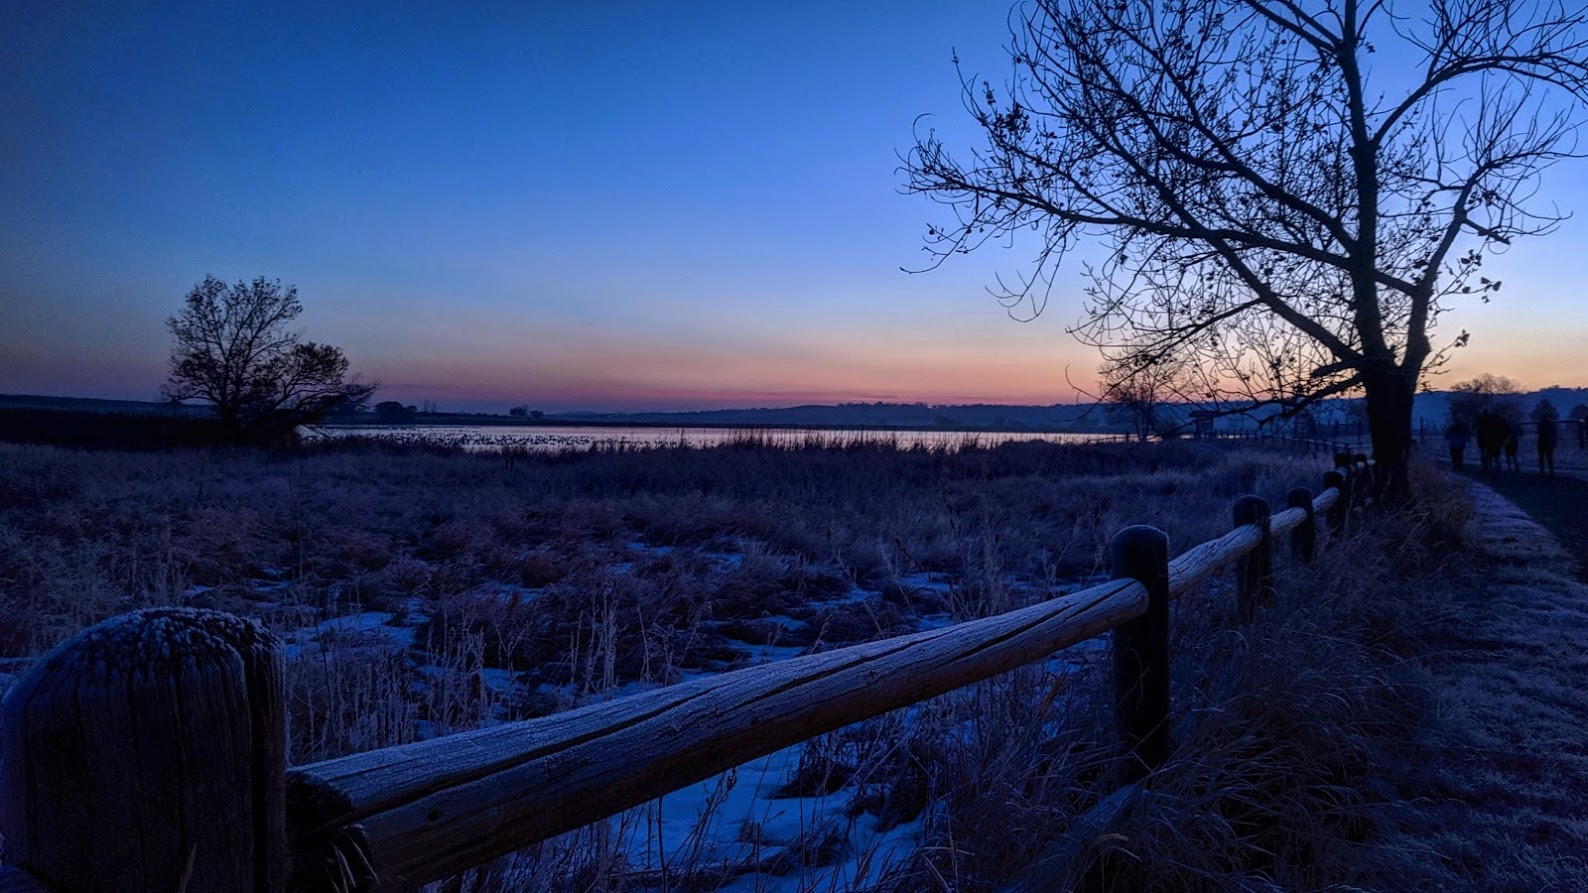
x,y
552,438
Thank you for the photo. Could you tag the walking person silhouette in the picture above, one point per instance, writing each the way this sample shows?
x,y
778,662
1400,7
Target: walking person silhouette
x,y
1456,438
1492,431
1548,435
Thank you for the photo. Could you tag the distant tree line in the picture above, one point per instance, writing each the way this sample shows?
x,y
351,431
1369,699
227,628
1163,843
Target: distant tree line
x,y
90,429
1501,396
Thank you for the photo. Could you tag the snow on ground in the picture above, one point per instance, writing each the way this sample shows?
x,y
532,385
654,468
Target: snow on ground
x,y
732,821
735,822
366,624
728,560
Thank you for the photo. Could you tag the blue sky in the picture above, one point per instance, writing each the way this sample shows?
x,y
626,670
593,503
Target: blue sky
x,y
613,206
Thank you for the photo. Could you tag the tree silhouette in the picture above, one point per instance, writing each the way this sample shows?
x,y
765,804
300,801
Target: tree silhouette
x,y
394,413
1485,393
1281,210
234,349
1139,393
1544,409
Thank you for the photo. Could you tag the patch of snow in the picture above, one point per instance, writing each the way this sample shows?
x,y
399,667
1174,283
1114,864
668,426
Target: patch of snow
x,y
927,580
735,820
855,595
785,621
507,593
368,624
766,654
725,560
497,681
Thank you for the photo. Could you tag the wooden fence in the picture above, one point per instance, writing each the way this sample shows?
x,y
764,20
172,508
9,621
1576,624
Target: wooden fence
x,y
147,753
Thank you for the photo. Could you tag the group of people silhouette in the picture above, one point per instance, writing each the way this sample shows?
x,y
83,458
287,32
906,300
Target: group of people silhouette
x,y
1499,440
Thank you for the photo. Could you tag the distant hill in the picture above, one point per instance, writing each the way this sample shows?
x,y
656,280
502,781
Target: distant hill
x,y
844,415
1433,410
90,404
1429,411
863,415
105,424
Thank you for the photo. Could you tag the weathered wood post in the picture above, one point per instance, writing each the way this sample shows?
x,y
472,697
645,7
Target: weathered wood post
x,y
147,754
1380,479
1141,651
1303,539
1254,571
1342,460
1336,516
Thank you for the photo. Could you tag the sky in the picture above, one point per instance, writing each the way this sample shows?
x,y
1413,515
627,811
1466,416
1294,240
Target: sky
x,y
574,206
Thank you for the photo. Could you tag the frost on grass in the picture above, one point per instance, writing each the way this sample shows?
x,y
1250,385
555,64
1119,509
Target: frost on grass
x,y
1496,802
423,591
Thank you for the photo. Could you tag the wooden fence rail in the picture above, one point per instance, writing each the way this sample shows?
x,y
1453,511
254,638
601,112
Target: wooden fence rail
x,y
146,753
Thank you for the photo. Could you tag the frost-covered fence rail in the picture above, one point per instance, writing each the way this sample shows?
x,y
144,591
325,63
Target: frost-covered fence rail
x,y
146,753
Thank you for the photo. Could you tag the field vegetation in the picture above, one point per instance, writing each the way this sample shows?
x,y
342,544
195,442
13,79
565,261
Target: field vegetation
x,y
426,590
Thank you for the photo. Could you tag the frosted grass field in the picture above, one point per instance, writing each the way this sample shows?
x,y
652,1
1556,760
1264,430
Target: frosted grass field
x,y
424,590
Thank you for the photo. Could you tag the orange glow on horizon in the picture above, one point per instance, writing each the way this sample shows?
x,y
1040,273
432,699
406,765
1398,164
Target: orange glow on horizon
x,y
599,370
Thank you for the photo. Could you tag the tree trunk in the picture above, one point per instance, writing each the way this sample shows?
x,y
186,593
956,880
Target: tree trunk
x,y
231,424
1389,418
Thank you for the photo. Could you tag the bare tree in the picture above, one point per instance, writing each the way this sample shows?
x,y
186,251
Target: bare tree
x,y
1544,409
1142,390
234,349
1278,205
1485,393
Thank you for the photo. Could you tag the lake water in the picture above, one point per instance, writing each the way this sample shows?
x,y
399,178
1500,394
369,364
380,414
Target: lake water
x,y
572,437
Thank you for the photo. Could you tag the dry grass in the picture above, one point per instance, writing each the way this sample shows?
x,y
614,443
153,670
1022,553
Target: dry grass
x,y
1492,796
587,574
1409,718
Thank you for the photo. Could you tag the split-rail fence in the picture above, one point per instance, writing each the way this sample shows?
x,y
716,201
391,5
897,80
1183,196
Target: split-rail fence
x,y
147,753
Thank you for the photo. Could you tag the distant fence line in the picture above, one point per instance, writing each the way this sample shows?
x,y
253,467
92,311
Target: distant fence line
x,y
147,753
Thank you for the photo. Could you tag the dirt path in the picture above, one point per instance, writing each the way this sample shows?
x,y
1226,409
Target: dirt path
x,y
1499,799
1559,504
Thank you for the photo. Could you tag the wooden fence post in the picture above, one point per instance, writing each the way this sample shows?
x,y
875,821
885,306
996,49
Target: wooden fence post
x,y
1254,571
1141,651
1304,539
148,753
1362,480
1336,516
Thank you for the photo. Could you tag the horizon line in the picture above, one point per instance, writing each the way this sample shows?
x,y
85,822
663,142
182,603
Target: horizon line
x,y
497,408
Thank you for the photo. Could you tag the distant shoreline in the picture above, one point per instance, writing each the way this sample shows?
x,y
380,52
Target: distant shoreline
x,y
455,420
595,420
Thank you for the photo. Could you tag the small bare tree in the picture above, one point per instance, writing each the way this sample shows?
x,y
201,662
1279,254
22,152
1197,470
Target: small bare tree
x,y
1277,204
234,349
1143,390
1485,393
